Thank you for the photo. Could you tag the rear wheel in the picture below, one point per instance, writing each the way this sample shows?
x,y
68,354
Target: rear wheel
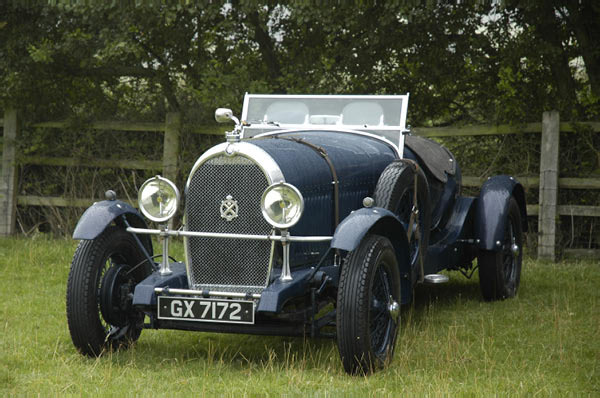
x,y
368,306
100,287
500,271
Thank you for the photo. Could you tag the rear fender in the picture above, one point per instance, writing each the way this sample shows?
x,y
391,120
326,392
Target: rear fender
x,y
492,209
351,231
101,214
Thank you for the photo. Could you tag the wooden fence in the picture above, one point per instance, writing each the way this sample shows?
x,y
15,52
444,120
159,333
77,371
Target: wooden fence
x,y
548,182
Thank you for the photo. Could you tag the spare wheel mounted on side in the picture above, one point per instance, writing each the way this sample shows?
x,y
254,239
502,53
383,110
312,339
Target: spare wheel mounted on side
x,y
400,183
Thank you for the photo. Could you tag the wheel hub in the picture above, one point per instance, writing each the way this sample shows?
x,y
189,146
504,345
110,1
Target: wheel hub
x,y
115,295
393,309
514,248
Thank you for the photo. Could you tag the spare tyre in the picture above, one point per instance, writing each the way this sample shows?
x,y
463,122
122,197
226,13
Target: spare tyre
x,y
395,191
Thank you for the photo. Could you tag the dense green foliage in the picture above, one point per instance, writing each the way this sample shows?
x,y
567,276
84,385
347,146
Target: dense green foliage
x,y
463,64
542,343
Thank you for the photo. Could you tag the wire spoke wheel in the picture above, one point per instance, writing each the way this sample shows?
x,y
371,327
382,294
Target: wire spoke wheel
x,y
500,271
367,306
100,289
380,321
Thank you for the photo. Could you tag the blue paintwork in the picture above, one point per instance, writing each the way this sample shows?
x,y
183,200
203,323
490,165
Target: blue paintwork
x,y
278,292
358,161
447,249
353,228
272,298
98,216
144,291
442,203
492,209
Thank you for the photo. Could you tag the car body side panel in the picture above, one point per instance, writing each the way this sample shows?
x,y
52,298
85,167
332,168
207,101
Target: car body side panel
x,y
449,247
492,209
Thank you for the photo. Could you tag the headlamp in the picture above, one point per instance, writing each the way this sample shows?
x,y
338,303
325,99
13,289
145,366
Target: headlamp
x,y
158,199
282,205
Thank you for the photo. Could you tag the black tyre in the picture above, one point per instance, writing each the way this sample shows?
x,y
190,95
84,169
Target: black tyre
x,y
368,306
500,271
103,275
395,192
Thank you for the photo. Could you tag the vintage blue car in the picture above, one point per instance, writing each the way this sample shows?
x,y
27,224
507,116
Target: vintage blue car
x,y
317,216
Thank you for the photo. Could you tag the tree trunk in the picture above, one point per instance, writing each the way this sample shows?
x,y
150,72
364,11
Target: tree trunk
x,y
266,48
584,22
547,30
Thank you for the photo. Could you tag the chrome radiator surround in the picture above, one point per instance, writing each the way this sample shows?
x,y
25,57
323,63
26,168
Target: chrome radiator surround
x,y
229,176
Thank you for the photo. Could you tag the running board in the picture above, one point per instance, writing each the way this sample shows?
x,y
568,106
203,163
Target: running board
x,y
434,279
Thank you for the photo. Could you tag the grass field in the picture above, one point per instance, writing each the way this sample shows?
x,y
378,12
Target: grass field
x,y
544,342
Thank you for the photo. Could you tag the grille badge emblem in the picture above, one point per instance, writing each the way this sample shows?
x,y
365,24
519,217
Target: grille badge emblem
x,y
229,208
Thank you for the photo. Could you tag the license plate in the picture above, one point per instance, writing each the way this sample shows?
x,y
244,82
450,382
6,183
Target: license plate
x,y
205,310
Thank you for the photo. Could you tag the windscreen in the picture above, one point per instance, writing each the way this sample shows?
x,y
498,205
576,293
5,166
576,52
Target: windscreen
x,y
378,114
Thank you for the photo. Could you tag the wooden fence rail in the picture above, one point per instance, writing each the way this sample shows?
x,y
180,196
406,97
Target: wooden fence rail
x,y
548,182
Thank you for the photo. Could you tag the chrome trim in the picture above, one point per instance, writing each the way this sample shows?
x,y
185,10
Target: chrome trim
x,y
224,115
250,151
273,238
172,185
266,163
266,215
436,278
165,269
393,309
229,208
166,290
286,272
514,248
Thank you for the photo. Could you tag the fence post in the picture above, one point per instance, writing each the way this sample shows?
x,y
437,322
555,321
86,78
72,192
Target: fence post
x,y
171,146
548,186
8,179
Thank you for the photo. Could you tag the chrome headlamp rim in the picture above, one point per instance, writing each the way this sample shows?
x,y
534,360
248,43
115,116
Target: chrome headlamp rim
x,y
300,204
175,192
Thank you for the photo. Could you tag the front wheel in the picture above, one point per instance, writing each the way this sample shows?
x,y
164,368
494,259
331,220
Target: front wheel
x,y
500,271
368,306
100,287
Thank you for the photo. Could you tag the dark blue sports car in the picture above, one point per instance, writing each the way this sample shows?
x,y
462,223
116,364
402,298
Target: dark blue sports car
x,y
317,216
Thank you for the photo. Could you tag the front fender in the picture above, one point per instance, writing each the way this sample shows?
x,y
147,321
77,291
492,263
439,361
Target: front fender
x,y
101,214
351,231
353,228
492,209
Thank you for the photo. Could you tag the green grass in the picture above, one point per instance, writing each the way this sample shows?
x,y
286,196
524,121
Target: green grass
x,y
544,342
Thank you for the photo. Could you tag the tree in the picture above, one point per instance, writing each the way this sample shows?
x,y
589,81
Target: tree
x,y
461,63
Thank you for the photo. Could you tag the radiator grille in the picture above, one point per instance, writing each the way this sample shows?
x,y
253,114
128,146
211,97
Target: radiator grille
x,y
236,265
